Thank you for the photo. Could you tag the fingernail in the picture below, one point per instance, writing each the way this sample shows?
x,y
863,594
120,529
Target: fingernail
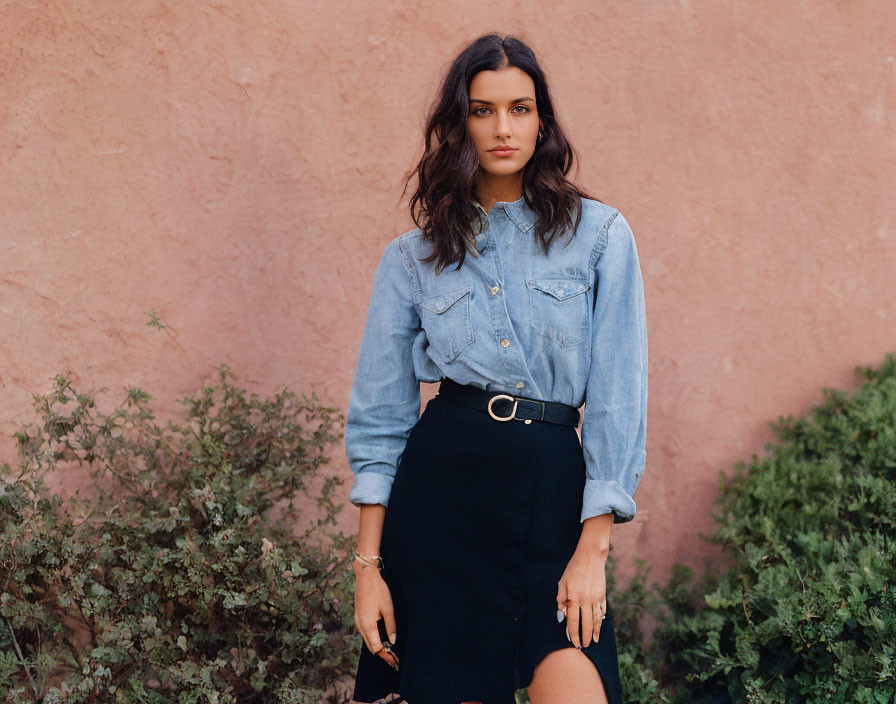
x,y
560,615
567,635
392,637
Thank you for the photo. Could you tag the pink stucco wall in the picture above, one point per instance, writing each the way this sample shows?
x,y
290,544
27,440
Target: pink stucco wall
x,y
236,168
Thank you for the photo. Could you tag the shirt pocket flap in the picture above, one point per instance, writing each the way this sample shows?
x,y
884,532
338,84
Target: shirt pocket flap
x,y
561,289
443,301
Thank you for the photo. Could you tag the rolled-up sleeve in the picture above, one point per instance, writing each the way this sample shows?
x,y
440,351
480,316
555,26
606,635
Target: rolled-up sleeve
x,y
615,417
384,404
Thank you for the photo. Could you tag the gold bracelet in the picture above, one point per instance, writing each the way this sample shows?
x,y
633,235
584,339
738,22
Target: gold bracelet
x,y
373,560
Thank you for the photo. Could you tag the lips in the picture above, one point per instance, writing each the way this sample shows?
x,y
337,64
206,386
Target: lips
x,y
503,152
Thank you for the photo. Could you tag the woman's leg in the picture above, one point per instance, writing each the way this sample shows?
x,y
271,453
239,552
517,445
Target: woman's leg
x,y
566,676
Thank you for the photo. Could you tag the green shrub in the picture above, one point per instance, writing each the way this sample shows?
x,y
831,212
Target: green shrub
x,y
630,605
173,582
807,611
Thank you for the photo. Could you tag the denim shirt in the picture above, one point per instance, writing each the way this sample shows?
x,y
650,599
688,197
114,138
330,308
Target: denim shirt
x,y
568,326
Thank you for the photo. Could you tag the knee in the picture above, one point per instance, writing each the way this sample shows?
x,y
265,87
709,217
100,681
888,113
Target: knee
x,y
566,675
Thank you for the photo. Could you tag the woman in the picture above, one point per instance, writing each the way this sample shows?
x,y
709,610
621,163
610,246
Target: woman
x,y
522,296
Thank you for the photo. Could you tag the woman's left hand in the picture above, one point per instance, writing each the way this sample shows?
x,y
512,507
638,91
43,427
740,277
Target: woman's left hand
x,y
582,593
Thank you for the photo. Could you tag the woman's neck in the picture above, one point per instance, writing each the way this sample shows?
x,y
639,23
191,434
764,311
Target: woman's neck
x,y
492,189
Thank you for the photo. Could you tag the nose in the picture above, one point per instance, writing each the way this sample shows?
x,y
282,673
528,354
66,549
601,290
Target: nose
x,y
502,128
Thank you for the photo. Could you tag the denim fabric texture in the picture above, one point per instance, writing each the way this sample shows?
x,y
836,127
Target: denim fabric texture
x,y
568,326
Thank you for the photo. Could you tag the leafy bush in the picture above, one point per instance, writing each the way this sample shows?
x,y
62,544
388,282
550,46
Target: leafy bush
x,y
173,582
807,611
630,605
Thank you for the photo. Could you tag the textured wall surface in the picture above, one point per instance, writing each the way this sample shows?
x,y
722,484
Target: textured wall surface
x,y
236,167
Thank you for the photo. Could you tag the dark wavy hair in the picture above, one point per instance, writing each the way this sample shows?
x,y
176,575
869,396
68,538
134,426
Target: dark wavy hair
x,y
442,205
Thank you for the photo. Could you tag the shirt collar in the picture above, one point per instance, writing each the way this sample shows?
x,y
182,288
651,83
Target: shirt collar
x,y
518,211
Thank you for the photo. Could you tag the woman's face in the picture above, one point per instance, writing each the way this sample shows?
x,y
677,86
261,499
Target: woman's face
x,y
503,113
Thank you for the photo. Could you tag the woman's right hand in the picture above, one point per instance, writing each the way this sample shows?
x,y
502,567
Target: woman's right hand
x,y
373,601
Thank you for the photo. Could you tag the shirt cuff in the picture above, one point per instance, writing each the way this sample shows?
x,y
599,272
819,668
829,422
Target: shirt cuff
x,y
372,487
605,496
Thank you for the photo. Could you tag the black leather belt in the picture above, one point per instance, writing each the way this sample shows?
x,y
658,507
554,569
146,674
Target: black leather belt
x,y
503,407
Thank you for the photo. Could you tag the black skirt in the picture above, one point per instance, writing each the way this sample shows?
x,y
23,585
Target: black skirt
x,y
483,518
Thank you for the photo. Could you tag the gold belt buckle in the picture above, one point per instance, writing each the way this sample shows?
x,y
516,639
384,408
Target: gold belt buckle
x,y
495,398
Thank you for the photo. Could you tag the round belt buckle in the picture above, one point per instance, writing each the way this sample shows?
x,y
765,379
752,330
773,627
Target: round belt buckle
x,y
495,398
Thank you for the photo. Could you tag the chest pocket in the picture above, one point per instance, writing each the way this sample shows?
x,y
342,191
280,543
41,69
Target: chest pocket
x,y
560,309
446,319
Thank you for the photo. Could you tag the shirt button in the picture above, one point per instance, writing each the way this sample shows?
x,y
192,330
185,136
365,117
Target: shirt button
x,y
494,289
505,342
519,384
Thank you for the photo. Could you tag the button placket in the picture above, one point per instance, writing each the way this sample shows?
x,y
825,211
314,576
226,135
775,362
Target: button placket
x,y
501,322
514,364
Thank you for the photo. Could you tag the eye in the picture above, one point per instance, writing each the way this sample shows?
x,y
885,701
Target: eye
x,y
525,109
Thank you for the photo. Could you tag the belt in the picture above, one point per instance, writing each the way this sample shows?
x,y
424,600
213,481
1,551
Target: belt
x,y
503,407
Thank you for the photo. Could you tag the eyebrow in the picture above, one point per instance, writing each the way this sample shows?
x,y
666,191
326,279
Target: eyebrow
x,y
489,102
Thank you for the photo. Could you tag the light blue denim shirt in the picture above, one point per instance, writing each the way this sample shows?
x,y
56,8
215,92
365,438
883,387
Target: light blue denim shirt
x,y
568,326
